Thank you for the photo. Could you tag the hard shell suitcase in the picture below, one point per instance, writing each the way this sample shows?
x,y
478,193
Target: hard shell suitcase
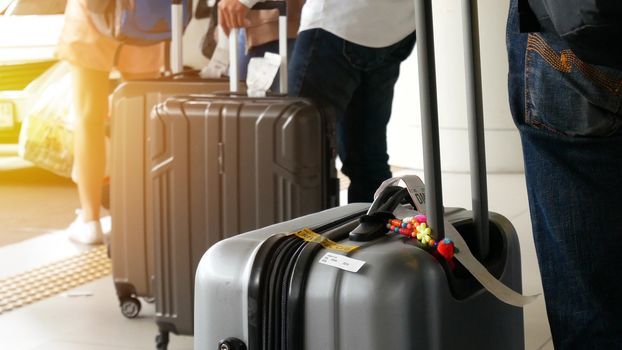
x,y
350,283
131,238
268,290
220,167
131,241
222,164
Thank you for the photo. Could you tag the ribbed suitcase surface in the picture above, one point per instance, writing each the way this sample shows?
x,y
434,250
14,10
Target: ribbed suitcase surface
x,y
131,242
224,165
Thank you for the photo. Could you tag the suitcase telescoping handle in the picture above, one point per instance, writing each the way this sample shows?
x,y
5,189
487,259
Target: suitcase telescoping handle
x,y
233,46
429,121
177,34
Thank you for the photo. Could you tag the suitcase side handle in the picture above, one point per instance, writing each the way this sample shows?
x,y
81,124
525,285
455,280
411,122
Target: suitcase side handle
x,y
429,121
374,224
233,46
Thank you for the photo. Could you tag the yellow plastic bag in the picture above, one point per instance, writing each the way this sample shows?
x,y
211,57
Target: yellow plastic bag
x,y
46,138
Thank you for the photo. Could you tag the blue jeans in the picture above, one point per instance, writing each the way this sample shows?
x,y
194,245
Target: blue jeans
x,y
355,84
569,116
260,51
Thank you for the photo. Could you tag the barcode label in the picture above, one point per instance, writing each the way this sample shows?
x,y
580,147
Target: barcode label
x,y
342,262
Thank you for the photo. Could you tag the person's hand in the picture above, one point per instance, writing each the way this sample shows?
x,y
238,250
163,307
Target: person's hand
x,y
232,14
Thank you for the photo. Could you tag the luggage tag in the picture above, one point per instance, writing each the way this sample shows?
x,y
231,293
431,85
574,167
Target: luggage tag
x,y
342,262
414,185
261,74
308,235
493,285
332,259
462,253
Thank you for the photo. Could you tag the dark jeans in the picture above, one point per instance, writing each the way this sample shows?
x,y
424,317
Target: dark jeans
x,y
355,84
569,115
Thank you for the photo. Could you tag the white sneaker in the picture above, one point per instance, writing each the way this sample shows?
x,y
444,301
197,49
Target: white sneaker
x,y
89,232
106,222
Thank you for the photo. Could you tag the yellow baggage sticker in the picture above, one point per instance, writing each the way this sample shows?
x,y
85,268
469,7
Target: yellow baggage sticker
x,y
310,236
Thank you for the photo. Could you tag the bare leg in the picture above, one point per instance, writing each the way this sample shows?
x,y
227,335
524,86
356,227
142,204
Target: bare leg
x,y
90,92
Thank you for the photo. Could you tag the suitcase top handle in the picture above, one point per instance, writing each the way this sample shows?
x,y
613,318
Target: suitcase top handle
x,y
233,46
374,224
271,5
429,121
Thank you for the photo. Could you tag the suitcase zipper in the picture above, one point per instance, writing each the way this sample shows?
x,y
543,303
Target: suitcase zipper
x,y
269,288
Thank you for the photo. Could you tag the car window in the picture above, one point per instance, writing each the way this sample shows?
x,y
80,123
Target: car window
x,y
36,7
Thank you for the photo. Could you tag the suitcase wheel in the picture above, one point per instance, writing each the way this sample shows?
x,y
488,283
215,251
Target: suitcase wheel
x,y
162,340
231,344
130,307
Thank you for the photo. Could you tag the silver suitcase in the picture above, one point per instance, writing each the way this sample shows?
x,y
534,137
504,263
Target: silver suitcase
x,y
285,287
268,290
131,239
223,164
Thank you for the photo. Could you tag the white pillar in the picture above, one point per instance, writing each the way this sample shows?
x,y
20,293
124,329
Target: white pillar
x,y
503,152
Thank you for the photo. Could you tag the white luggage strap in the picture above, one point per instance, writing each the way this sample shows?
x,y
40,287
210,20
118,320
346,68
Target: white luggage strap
x,y
416,188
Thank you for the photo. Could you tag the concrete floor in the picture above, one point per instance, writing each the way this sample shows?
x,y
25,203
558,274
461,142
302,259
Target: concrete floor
x,y
32,201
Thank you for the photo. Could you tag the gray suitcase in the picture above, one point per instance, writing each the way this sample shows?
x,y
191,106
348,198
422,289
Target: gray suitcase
x,y
223,164
268,290
131,241
271,290
131,238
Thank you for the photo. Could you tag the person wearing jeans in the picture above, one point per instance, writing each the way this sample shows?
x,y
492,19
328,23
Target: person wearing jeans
x,y
569,115
355,84
346,60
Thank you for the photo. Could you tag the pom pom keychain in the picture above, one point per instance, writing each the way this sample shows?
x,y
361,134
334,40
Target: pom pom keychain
x,y
446,248
417,227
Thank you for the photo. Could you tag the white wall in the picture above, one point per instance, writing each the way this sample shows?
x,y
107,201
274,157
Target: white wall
x,y
503,151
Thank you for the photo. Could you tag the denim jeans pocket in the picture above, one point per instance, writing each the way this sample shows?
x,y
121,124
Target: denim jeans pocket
x,y
368,58
567,96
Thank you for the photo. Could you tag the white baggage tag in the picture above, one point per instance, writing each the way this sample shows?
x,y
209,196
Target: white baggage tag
x,y
493,285
342,262
261,74
414,185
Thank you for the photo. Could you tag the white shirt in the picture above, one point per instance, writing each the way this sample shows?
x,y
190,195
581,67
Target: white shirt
x,y
372,23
